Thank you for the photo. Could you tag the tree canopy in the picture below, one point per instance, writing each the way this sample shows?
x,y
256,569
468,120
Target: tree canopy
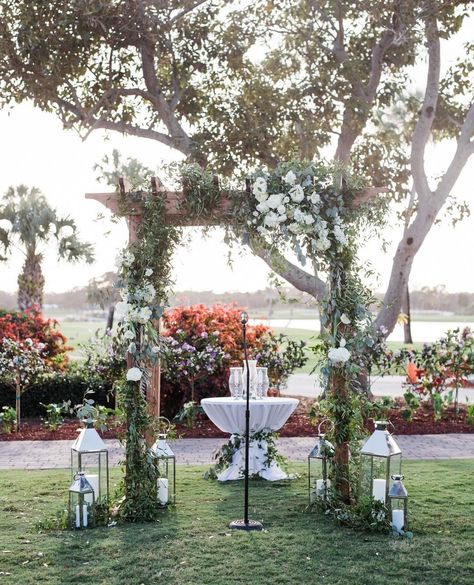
x,y
236,84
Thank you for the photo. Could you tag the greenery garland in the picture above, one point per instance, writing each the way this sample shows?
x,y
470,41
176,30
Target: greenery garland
x,y
225,454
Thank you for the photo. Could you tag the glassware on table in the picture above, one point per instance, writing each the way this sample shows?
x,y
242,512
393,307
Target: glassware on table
x,y
253,378
236,383
263,382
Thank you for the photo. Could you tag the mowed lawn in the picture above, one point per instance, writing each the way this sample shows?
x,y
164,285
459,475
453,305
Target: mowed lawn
x,y
191,544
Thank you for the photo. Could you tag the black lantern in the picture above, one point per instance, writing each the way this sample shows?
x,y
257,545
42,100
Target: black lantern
x,y
89,454
380,457
81,496
166,465
398,504
319,485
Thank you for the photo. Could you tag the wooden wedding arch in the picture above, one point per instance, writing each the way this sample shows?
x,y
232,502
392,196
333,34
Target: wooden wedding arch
x,y
176,214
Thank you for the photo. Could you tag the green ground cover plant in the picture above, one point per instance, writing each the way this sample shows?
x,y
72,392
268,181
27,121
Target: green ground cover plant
x,y
191,544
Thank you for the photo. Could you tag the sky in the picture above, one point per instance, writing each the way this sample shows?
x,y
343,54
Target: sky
x,y
36,150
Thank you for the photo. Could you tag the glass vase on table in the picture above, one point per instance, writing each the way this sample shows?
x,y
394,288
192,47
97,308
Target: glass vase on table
x,y
263,382
236,383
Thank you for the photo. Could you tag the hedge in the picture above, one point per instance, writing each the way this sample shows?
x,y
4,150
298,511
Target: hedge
x,y
62,386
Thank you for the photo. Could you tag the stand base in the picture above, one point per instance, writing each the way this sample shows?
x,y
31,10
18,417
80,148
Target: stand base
x,y
242,525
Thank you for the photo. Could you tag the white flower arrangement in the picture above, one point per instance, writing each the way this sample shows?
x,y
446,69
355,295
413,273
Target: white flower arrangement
x,y
295,208
134,375
338,356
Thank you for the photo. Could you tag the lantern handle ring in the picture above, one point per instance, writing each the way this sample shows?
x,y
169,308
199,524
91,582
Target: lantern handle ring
x,y
320,426
167,424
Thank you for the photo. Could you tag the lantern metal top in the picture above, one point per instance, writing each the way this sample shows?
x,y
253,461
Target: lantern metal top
x,y
161,448
80,485
322,450
88,441
398,490
381,443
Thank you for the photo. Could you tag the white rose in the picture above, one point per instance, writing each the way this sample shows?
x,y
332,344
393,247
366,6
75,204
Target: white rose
x,y
290,178
297,193
144,314
345,319
148,272
339,234
259,187
275,200
314,198
129,334
286,199
261,197
308,219
261,229
134,375
121,310
282,218
294,227
271,219
281,209
338,355
263,207
323,244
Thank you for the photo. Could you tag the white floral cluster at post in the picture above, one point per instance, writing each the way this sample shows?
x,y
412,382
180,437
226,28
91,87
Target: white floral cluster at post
x,y
298,210
134,309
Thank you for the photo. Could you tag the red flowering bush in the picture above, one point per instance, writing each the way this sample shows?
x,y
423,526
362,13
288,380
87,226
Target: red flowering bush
x,y
194,325
30,324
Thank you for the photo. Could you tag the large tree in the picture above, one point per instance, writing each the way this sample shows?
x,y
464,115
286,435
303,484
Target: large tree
x,y
30,224
238,83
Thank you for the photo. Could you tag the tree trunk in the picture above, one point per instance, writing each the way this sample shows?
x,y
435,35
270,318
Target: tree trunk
x,y
110,319
31,283
407,337
340,395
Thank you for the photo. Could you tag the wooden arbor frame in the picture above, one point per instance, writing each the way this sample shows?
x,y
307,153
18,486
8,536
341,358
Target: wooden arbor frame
x,y
176,214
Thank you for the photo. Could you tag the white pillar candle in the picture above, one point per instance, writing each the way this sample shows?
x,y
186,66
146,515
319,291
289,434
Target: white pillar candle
x,y
78,515
94,481
398,519
321,489
378,490
163,490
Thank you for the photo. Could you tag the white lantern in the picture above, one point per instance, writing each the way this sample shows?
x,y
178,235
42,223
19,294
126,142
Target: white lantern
x,y
89,455
81,494
166,464
380,457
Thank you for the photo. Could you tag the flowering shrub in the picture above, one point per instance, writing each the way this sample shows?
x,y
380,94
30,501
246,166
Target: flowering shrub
x,y
21,364
281,356
436,371
104,357
201,343
30,324
192,361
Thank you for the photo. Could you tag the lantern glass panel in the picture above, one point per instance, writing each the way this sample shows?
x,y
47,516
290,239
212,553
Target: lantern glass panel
x,y
166,465
96,470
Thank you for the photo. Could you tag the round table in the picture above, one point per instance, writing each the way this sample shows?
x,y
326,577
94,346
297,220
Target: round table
x,y
266,414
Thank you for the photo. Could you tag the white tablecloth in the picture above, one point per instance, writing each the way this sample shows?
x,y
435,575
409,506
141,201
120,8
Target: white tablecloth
x,y
265,414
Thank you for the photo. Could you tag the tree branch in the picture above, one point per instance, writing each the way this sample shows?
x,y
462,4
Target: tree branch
x,y
295,275
427,113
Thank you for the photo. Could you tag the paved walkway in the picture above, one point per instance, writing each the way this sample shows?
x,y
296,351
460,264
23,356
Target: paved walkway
x,y
308,385
56,454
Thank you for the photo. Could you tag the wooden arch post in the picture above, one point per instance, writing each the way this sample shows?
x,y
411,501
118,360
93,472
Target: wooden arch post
x,y
175,214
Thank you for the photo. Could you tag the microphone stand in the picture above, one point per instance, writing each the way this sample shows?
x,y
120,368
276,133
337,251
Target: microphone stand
x,y
246,524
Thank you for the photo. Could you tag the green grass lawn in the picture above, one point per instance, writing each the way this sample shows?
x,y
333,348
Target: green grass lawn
x,y
191,544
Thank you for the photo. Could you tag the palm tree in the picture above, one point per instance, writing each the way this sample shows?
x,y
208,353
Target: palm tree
x,y
30,223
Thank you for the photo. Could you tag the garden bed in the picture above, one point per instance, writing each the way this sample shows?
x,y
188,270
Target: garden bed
x,y
298,425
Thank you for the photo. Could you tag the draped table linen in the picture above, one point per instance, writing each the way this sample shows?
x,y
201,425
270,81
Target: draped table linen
x,y
267,414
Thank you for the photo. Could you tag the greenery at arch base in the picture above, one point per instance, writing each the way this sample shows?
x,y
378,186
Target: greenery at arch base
x,y
307,208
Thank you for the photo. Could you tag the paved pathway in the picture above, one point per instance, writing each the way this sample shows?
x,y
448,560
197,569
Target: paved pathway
x,y
307,385
55,454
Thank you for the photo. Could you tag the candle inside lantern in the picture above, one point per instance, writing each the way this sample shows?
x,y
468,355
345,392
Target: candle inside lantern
x,y
398,519
94,481
163,490
378,490
78,515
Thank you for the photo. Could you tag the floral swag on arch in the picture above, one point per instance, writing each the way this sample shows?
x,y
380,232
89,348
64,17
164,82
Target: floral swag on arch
x,y
309,209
